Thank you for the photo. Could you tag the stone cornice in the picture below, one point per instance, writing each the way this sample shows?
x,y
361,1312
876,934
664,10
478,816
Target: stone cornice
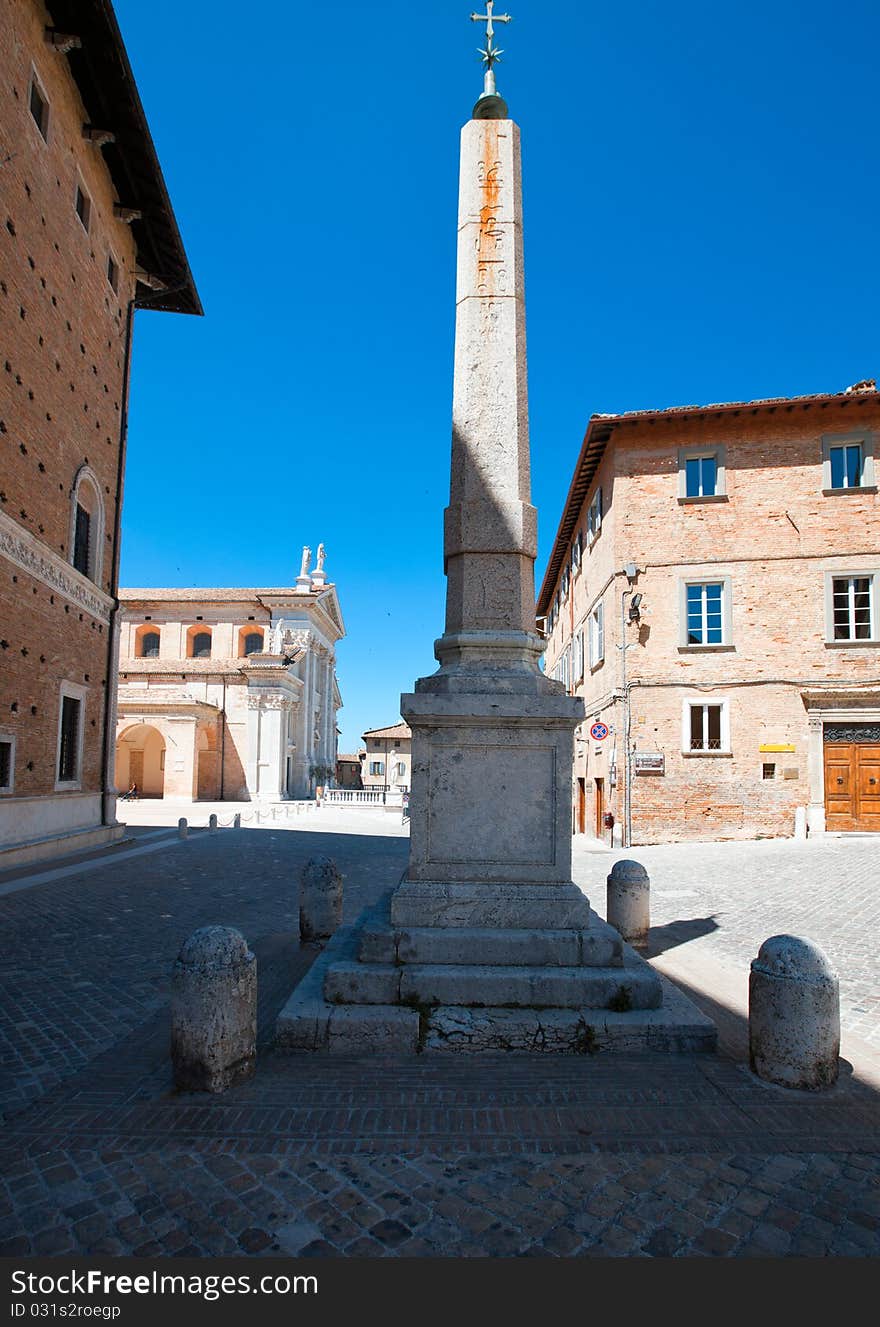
x,y
20,547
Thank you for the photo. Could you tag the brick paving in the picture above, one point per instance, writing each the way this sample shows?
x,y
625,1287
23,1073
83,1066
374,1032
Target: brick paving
x,y
647,1156
724,899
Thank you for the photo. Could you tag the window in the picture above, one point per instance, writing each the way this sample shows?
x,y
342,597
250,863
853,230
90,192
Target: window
x,y
596,627
112,271
400,769
7,763
150,645
706,726
578,657
70,732
81,532
377,767
201,645
83,206
768,771
39,105
577,549
701,473
87,525
853,611
847,462
253,642
706,613
564,581
594,517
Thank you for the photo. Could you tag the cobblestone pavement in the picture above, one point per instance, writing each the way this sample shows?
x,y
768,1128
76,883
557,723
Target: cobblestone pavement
x,y
319,1155
725,899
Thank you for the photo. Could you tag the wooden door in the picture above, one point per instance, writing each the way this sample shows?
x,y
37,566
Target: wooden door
x,y
582,806
136,771
600,806
868,787
852,778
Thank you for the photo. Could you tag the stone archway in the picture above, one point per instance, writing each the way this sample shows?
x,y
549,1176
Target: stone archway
x,y
140,759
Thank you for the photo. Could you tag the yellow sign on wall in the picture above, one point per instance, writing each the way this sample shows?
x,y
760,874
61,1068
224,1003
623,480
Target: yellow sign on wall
x,y
776,746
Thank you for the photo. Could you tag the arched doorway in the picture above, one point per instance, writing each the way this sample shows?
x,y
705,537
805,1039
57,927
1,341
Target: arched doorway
x,y
140,759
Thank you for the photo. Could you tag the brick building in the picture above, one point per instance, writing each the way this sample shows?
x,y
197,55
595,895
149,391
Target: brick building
x,y
87,235
229,695
712,593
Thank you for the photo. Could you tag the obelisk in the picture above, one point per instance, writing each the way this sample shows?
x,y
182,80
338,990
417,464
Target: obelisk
x,y
490,805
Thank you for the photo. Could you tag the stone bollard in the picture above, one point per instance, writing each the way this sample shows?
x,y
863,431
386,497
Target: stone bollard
x,y
320,906
628,906
213,1011
236,820
794,1014
212,821
182,828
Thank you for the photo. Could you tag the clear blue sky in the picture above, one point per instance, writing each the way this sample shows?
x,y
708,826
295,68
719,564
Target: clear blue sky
x,y
701,203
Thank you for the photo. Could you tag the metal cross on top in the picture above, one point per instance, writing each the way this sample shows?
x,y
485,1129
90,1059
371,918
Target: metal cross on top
x,y
490,53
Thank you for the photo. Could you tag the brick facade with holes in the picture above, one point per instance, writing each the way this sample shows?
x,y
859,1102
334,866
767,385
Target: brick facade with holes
x,y
722,707
65,295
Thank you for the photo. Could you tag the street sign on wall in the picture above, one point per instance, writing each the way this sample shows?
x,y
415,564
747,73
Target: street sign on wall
x,y
599,732
649,762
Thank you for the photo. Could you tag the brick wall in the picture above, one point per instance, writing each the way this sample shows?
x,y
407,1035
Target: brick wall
x,y
62,332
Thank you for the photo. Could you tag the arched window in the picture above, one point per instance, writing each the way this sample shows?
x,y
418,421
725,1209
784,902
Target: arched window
x,y
86,542
253,642
149,645
201,645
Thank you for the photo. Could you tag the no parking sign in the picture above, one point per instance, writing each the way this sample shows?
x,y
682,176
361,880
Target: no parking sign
x,y
599,732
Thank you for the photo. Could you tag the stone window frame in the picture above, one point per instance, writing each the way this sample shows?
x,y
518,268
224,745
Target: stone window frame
x,y
577,554
80,190
595,516
845,573
75,691
726,642
9,739
86,475
141,632
687,704
596,635
865,438
36,82
578,656
198,629
719,451
244,633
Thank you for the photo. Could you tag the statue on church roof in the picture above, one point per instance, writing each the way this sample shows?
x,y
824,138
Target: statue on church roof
x,y
306,558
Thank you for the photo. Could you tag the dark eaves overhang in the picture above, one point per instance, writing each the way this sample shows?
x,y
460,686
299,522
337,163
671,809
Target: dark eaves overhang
x,y
601,427
103,75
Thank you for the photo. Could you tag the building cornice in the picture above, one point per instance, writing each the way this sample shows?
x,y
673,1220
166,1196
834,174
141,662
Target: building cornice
x,y
23,549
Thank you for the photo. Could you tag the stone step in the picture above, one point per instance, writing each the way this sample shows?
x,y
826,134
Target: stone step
x,y
599,946
634,986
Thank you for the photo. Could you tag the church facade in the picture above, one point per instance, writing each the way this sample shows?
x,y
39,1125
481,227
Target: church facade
x,y
229,694
713,594
87,237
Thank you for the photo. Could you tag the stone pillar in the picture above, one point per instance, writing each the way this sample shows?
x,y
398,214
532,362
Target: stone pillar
x,y
320,908
816,774
794,1014
213,1011
182,828
628,907
492,737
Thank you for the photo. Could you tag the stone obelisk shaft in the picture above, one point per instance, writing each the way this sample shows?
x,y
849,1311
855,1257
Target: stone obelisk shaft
x,y
490,526
492,737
